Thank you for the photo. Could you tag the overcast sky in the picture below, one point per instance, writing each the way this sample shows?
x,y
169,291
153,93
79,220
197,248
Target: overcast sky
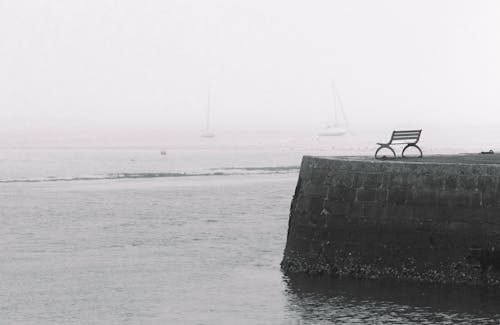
x,y
123,64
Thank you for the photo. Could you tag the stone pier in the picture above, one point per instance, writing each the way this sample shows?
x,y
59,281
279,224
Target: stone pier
x,y
434,219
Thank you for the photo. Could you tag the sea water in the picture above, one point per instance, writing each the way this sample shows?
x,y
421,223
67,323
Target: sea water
x,y
130,236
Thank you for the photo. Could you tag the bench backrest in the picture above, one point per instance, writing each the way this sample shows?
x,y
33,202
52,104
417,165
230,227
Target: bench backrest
x,y
406,136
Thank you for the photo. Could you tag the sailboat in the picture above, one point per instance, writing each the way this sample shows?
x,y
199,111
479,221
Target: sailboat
x,y
207,133
339,126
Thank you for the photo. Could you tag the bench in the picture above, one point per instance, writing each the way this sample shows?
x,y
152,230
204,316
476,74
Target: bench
x,y
408,137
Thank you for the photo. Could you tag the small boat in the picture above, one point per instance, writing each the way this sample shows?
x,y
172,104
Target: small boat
x,y
207,133
339,125
332,130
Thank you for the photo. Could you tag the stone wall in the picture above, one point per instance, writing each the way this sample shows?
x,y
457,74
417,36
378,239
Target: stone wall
x,y
421,221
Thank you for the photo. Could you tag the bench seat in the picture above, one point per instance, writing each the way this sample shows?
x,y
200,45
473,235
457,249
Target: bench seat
x,y
409,138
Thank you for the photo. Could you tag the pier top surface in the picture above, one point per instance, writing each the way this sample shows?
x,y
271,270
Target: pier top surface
x,y
469,159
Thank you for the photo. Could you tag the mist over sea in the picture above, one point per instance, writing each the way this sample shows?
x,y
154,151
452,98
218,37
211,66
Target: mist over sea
x,y
113,209
125,235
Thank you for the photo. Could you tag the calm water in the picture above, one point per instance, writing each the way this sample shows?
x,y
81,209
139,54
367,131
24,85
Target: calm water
x,y
126,236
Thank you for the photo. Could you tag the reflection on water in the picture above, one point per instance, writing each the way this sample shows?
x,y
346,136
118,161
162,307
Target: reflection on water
x,y
327,300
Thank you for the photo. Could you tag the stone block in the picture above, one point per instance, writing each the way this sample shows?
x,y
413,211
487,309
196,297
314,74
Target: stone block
x,y
399,180
336,223
469,215
382,195
372,180
424,212
492,215
341,193
492,232
319,219
489,198
443,213
386,181
300,217
305,171
413,178
318,176
467,182
311,189
315,205
457,226
338,208
434,181
397,195
444,198
476,199
427,196
376,210
413,196
365,195
461,199
343,179
486,183
402,213
417,180
450,182
356,209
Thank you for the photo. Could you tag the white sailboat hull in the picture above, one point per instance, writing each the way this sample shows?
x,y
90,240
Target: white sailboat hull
x,y
207,134
332,131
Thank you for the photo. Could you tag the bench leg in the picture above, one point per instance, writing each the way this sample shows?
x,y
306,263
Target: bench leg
x,y
387,147
411,145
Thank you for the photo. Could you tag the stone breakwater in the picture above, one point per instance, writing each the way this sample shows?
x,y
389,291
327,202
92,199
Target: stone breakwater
x,y
434,220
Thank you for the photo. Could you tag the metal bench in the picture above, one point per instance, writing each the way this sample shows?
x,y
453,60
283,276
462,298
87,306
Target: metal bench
x,y
408,137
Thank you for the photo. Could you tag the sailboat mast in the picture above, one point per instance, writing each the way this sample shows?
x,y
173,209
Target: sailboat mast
x,y
208,112
341,106
335,117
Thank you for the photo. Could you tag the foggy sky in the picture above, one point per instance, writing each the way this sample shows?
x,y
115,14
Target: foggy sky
x,y
123,64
